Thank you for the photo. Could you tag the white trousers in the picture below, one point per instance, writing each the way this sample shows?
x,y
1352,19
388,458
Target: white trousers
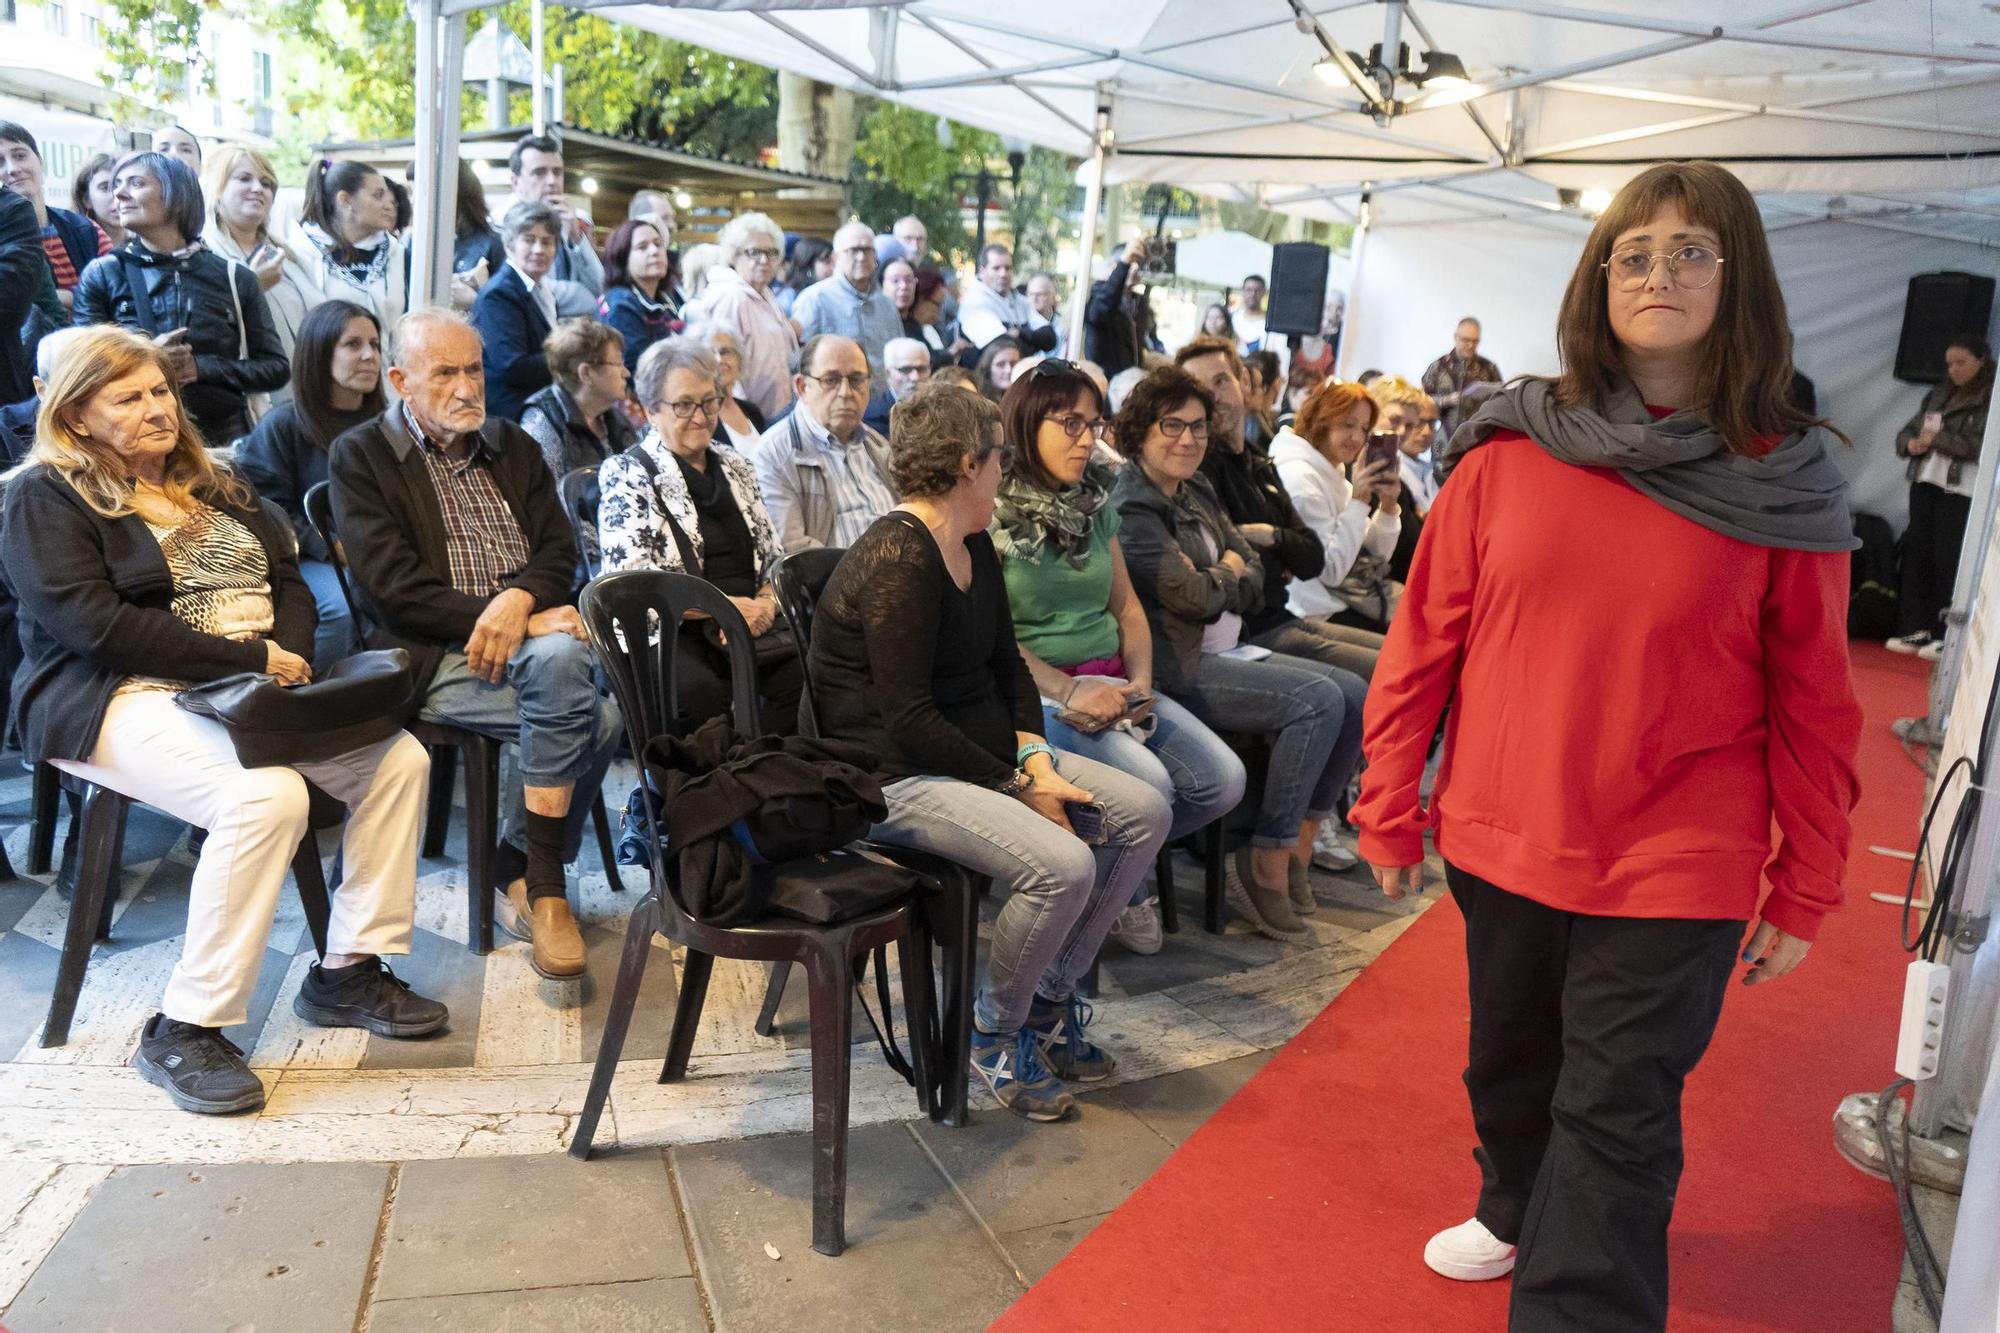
x,y
153,751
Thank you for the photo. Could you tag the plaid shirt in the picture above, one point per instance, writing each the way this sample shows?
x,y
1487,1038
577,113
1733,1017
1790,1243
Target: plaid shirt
x,y
482,538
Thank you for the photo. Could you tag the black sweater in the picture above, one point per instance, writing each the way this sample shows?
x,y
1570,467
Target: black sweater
x,y
928,678
96,607
1248,485
280,459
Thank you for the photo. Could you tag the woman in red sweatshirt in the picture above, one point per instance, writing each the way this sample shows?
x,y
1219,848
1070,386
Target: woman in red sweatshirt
x,y
1633,594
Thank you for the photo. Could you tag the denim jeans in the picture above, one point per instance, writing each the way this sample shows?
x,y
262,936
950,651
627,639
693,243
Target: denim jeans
x,y
1332,646
1062,895
335,637
549,705
1299,700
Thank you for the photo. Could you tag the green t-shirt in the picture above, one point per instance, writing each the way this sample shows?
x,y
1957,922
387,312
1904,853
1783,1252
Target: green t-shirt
x,y
1061,613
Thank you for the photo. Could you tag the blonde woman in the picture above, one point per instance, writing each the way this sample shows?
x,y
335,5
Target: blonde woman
x,y
240,186
142,567
739,299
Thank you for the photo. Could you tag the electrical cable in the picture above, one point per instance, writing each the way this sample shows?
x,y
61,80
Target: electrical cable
x,y
1923,1259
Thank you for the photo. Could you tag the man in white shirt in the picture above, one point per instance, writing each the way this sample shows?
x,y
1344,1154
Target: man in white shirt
x,y
851,303
991,308
1249,318
536,165
1046,304
823,473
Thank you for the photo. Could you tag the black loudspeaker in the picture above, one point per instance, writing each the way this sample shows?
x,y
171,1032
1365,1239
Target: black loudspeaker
x,y
1939,307
1298,288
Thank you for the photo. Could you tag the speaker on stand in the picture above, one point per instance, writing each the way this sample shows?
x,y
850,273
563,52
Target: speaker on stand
x,y
1297,300
1938,308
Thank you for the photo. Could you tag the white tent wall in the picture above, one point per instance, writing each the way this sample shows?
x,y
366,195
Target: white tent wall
x,y
1844,288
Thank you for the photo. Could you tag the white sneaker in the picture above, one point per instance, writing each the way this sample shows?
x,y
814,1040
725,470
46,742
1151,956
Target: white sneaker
x,y
1138,927
1932,651
1330,853
1468,1253
1910,643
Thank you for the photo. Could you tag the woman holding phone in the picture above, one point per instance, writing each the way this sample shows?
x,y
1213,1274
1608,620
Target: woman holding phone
x,y
1942,443
1358,520
1606,802
240,186
1081,628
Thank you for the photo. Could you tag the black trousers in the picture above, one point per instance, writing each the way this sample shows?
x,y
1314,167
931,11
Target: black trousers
x,y
702,675
1583,1030
1930,556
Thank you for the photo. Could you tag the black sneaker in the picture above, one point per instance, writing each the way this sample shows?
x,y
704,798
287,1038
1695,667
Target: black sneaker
x,y
202,1070
367,995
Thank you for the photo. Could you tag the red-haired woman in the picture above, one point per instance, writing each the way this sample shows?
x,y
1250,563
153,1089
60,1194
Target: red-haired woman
x,y
1633,590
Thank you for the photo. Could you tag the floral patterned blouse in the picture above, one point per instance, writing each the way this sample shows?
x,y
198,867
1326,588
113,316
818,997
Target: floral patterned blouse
x,y
632,509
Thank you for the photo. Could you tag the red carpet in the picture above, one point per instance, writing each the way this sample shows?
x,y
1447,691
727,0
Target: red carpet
x,y
1305,1202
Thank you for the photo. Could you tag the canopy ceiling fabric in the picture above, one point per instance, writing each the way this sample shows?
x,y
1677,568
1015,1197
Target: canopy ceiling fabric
x,y
1807,97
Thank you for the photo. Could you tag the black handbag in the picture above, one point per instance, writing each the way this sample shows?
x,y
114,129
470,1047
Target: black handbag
x,y
358,702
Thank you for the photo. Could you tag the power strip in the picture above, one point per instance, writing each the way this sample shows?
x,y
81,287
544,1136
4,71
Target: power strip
x,y
1920,1036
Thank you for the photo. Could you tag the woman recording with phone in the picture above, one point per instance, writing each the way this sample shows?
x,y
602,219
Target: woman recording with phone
x,y
1637,692
1357,521
1081,629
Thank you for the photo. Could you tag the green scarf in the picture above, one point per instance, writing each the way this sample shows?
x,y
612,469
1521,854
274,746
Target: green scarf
x,y
1028,519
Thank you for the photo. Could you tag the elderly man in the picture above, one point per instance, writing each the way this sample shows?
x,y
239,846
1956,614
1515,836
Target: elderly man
x,y
991,308
460,553
536,165
908,364
1045,304
1447,378
850,303
824,474
655,206
915,238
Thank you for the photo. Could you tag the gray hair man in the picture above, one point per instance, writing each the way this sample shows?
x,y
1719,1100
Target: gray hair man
x,y
461,555
990,308
823,472
657,207
851,303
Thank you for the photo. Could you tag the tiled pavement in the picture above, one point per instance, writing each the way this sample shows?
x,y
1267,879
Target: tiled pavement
x,y
393,1186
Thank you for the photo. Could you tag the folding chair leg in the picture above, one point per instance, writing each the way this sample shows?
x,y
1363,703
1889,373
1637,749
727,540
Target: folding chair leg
x,y
1212,864
44,807
1163,881
687,1014
827,971
959,935
774,995
103,811
313,896
607,851
482,832
437,812
617,1022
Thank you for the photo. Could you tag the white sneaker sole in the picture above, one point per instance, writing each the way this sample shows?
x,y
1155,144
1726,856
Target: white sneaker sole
x,y
1462,1270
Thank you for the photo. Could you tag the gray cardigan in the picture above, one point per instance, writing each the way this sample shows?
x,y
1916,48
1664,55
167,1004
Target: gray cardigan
x,y
1183,588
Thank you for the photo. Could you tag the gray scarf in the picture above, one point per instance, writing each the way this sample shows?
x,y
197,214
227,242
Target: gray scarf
x,y
1793,497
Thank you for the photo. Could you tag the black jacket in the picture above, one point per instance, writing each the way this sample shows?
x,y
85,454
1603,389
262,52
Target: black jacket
x,y
280,459
1182,596
1116,325
553,413
1964,413
1251,492
192,292
387,514
513,328
22,265
96,607
17,428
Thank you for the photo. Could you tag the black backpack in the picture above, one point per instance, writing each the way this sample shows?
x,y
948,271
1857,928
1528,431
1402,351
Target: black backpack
x,y
1872,609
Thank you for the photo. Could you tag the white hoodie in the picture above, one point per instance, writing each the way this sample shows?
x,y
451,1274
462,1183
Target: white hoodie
x,y
1327,504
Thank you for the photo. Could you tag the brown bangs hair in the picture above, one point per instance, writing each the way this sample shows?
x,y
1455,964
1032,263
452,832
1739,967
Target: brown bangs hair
x,y
1048,389
1329,403
1746,367
1160,392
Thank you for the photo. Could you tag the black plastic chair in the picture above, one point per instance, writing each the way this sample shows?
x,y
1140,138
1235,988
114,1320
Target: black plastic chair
x,y
102,818
631,617
449,745
580,495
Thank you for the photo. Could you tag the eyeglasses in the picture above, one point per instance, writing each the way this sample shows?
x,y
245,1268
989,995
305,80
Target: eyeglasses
x,y
685,408
857,381
1691,266
1075,426
607,365
859,250
758,253
1174,427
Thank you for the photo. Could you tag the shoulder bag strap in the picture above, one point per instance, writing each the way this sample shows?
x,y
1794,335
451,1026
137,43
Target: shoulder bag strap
x,y
135,286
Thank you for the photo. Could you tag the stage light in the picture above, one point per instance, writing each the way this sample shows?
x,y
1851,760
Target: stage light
x,y
682,199
1594,202
590,185
1442,70
1329,72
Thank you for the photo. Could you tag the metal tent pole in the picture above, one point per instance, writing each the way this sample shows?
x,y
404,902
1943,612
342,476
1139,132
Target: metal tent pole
x,y
539,50
428,16
1093,199
1343,365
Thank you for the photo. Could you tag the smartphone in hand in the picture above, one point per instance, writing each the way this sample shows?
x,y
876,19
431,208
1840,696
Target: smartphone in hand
x,y
1381,447
1086,820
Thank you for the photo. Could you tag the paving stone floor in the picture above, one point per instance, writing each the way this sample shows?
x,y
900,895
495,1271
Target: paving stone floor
x,y
392,1186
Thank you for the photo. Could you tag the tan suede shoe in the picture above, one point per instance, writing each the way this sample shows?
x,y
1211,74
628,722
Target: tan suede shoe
x,y
558,952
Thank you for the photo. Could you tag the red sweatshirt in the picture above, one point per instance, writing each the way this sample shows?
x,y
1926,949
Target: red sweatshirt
x,y
1635,698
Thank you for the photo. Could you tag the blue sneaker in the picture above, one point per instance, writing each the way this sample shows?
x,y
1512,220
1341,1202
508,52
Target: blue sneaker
x,y
1011,1064
1059,1026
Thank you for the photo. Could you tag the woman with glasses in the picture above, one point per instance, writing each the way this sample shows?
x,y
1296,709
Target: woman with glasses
x,y
679,501
738,298
578,419
1420,482
1199,577
1633,594
739,425
1081,628
914,656
638,296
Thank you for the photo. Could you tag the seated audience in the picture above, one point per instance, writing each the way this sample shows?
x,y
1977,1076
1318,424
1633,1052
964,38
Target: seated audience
x,y
1418,471
899,284
915,238
958,377
914,655
240,185
70,240
1046,302
739,425
1081,629
536,168
117,494
694,267
1199,579
824,474
336,386
907,364
925,320
179,142
638,291
1215,322
1357,521
461,554
579,420
476,252
23,268
809,261
739,299
516,311
851,303
209,317
1261,386
681,501
349,217
990,308
997,364
90,191
17,420
656,207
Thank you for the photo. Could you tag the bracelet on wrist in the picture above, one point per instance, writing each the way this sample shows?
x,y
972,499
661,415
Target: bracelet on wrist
x,y
1029,751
